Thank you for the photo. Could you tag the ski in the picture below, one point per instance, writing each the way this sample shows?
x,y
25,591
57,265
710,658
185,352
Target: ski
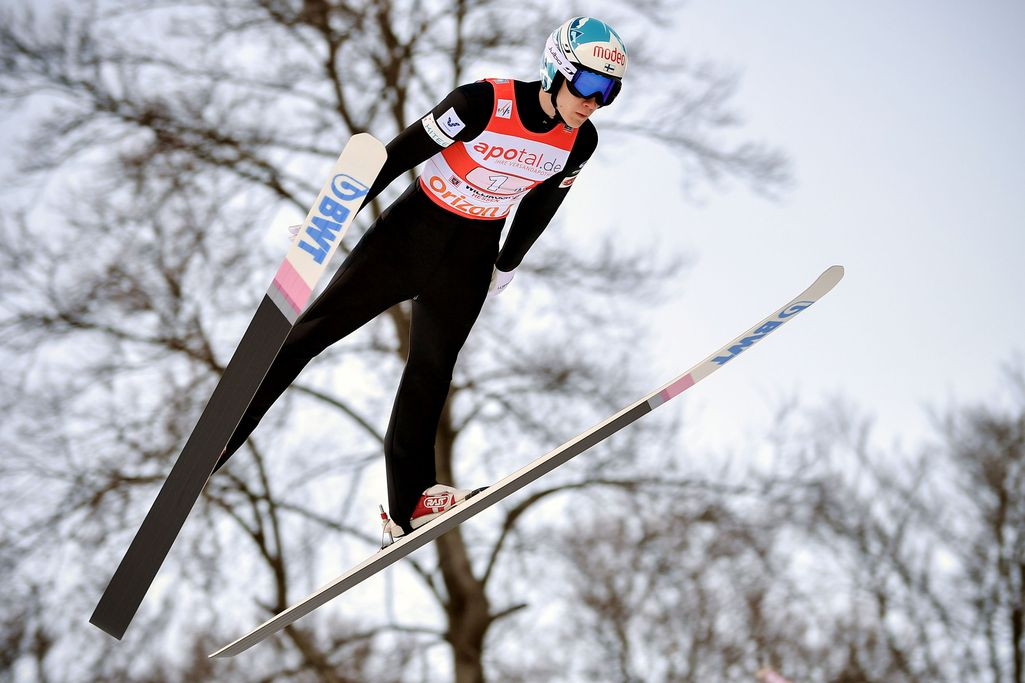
x,y
298,275
538,468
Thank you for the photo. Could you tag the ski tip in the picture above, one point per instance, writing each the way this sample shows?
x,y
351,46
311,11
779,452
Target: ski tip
x,y
830,276
366,145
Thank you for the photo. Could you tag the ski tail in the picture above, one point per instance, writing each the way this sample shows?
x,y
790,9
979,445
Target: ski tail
x,y
296,278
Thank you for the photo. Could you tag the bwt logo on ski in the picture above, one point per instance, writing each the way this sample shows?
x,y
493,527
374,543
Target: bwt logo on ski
x,y
759,334
323,229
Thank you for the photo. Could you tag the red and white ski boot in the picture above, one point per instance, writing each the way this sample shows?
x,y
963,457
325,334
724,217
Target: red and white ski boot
x,y
434,502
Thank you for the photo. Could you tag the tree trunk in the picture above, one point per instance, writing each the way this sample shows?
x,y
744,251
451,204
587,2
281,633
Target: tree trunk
x,y
467,607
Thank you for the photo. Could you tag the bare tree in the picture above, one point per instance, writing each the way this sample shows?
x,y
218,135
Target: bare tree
x,y
697,583
834,561
934,551
158,140
986,449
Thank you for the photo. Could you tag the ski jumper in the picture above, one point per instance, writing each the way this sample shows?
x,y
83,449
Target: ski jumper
x,y
488,146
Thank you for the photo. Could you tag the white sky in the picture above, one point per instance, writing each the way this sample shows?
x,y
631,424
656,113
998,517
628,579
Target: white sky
x,y
905,123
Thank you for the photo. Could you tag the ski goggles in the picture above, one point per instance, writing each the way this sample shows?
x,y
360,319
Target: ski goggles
x,y
586,84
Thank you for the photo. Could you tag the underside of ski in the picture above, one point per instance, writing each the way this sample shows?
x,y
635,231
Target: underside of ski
x,y
290,291
538,468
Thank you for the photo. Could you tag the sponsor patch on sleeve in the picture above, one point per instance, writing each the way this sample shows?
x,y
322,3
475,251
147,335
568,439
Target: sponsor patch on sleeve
x,y
568,180
451,123
432,128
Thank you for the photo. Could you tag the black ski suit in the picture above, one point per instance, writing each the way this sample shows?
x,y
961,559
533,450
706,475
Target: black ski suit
x,y
441,261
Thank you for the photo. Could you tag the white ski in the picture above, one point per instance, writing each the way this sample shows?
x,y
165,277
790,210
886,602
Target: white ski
x,y
546,463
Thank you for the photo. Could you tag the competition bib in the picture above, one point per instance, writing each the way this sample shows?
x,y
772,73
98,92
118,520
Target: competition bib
x,y
487,176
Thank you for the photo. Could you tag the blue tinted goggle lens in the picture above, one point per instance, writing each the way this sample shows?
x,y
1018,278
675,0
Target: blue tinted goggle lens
x,y
590,84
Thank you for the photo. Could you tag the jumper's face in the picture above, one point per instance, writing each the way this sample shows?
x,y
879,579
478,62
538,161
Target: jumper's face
x,y
574,110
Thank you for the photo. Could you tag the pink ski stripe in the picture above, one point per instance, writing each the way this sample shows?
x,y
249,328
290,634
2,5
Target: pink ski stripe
x,y
767,676
678,387
292,286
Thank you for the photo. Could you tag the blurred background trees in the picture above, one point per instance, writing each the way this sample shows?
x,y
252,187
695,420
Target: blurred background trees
x,y
157,152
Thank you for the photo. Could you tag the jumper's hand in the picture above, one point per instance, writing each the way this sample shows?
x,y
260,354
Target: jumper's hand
x,y
499,281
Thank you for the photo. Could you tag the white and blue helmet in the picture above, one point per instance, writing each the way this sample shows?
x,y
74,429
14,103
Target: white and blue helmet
x,y
589,55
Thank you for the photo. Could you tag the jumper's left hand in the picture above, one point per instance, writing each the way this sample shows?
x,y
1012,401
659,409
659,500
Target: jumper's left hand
x,y
499,281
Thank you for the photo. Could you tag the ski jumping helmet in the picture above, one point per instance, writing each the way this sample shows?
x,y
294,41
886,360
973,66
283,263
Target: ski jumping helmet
x,y
589,55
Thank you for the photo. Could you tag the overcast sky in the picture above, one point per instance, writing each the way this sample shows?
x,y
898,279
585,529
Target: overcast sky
x,y
905,123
